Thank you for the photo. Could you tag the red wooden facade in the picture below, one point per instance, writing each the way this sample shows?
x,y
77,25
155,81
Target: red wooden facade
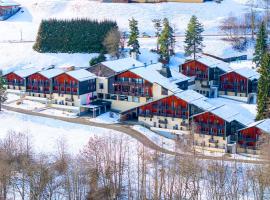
x,y
130,84
13,79
37,83
169,107
64,83
233,82
248,138
195,68
209,124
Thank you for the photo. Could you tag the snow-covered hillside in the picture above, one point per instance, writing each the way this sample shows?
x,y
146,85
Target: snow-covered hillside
x,y
24,25
27,21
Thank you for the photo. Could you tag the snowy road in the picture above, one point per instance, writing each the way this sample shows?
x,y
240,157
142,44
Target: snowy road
x,y
126,129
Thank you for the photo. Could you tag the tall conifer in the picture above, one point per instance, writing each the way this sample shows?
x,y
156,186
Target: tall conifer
x,y
261,45
263,104
193,37
133,37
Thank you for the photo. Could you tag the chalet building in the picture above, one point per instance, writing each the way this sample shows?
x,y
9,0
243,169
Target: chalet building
x,y
173,112
17,80
251,137
241,82
74,88
40,84
205,71
128,83
217,129
7,9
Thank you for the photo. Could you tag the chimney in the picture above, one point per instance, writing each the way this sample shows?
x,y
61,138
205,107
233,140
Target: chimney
x,y
165,71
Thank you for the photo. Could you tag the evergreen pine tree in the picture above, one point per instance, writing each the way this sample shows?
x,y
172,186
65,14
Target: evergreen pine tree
x,y
193,37
166,41
158,28
133,37
263,104
261,45
3,95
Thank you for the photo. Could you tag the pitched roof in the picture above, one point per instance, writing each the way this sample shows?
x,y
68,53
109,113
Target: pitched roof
x,y
177,76
190,95
225,112
26,72
264,125
203,104
248,73
81,74
214,63
122,64
51,73
153,76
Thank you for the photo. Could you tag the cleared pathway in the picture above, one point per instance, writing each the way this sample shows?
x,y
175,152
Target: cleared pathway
x,y
124,128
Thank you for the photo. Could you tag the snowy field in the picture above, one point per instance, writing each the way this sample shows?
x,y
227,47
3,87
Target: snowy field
x,y
27,22
14,56
52,131
24,25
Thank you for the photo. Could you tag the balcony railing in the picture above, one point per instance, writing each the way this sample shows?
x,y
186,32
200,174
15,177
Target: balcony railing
x,y
131,93
15,83
163,115
247,139
210,125
206,132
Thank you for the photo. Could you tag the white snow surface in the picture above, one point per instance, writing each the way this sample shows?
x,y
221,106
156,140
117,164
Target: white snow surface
x,y
24,25
213,62
248,73
107,118
157,139
234,110
26,72
81,74
210,13
51,73
190,95
122,64
45,133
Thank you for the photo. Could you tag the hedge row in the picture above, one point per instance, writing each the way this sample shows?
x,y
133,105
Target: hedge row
x,y
72,36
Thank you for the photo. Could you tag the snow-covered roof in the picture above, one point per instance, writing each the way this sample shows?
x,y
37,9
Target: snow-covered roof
x,y
225,112
229,114
248,73
190,96
26,72
81,74
51,73
153,76
213,63
246,112
122,64
264,125
8,3
202,104
177,77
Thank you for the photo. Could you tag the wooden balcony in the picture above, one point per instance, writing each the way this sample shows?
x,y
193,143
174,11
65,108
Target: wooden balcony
x,y
143,114
136,94
12,83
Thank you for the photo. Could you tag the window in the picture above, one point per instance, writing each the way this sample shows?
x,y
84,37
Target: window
x,y
164,91
101,86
